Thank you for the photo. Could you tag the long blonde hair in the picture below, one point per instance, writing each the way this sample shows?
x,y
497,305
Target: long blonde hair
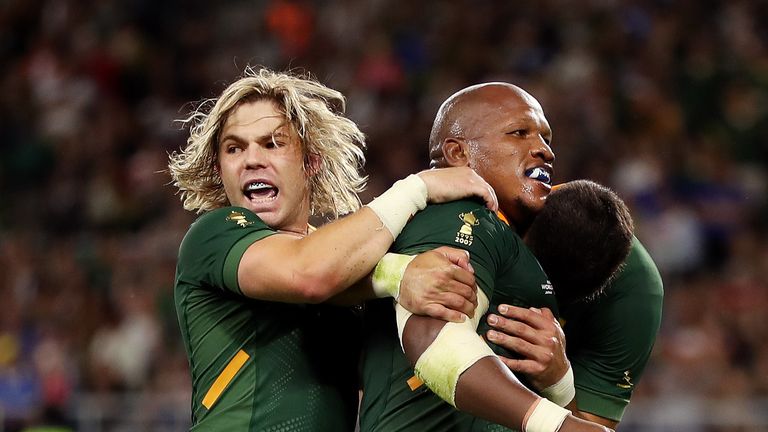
x,y
314,110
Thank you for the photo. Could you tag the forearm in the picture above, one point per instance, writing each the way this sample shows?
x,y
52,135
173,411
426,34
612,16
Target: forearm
x,y
505,402
348,249
356,294
438,352
316,267
486,388
341,253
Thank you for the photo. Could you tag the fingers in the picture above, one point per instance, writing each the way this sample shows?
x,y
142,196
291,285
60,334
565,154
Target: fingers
x,y
460,290
448,184
485,191
457,303
463,277
462,271
511,329
536,318
491,201
529,348
441,312
522,366
460,257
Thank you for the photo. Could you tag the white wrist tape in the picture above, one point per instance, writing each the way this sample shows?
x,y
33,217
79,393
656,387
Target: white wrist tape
x,y
396,206
563,391
402,314
455,349
545,417
388,274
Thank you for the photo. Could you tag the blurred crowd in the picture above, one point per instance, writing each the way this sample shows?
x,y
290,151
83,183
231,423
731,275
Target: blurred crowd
x,y
664,101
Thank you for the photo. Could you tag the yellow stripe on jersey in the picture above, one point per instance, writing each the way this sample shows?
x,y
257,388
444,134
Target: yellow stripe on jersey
x,y
414,382
223,380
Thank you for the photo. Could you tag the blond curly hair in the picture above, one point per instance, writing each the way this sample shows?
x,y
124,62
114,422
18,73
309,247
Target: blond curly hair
x,y
314,110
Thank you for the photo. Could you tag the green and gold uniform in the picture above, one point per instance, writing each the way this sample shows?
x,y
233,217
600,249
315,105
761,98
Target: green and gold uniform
x,y
258,365
609,340
505,270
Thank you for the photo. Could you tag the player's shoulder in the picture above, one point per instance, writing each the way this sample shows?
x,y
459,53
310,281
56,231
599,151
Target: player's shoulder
x,y
639,273
222,222
457,210
458,223
227,218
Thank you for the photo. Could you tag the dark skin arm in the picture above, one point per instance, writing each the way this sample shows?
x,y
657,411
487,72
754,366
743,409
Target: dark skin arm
x,y
487,389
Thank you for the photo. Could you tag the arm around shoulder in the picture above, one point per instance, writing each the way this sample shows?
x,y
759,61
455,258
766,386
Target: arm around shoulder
x,y
313,268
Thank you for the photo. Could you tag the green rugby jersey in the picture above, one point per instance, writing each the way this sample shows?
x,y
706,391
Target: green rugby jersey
x,y
258,365
610,339
505,271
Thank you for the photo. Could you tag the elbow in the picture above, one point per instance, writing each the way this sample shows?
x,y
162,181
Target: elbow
x,y
317,287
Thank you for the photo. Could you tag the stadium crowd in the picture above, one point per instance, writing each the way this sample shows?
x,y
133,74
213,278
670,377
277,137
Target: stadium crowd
x,y
664,101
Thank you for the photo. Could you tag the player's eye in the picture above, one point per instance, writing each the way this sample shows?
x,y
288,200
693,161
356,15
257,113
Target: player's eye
x,y
274,143
522,133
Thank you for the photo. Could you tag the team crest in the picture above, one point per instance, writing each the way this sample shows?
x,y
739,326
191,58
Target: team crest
x,y
239,219
626,382
464,236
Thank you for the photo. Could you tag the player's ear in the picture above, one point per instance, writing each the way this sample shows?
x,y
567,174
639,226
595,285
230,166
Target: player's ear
x,y
456,152
313,163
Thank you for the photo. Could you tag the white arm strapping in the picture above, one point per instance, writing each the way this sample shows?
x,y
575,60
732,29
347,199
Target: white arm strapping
x,y
546,417
388,274
401,201
563,391
455,349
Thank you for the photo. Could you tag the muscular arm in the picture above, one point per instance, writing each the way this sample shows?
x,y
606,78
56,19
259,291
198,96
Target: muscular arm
x,y
487,388
314,268
311,269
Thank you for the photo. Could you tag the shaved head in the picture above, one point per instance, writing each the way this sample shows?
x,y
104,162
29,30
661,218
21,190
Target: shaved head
x,y
500,131
463,114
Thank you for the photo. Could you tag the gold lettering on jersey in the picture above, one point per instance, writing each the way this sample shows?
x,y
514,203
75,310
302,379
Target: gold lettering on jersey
x,y
626,381
239,219
464,236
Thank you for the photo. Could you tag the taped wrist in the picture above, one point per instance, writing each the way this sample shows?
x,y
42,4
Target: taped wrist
x,y
396,206
563,391
388,274
455,349
544,416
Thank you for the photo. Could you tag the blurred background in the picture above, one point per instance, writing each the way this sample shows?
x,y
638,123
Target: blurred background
x,y
665,101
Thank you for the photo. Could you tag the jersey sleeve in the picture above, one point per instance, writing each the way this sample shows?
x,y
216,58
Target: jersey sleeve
x,y
212,248
613,337
464,225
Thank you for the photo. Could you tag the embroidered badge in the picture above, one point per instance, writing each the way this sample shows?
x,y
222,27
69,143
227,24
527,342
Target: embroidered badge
x,y
239,219
626,381
464,236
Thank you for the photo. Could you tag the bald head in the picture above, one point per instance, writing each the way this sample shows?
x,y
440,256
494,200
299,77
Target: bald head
x,y
464,114
500,131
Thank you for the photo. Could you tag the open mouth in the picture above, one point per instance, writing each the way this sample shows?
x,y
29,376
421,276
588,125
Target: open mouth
x,y
540,174
260,191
